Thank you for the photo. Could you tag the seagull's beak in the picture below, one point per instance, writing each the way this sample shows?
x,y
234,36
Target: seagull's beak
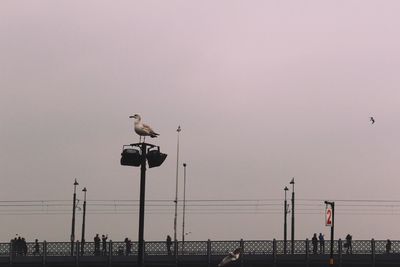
x,y
131,117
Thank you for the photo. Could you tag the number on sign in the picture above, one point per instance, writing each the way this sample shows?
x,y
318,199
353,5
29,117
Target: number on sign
x,y
328,217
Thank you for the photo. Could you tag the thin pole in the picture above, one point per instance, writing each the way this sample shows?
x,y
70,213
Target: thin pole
x,y
292,237
184,207
176,196
73,219
285,223
83,222
332,232
140,259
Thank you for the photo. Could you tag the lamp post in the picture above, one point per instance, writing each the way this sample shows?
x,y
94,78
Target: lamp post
x,y
83,222
73,219
332,204
176,197
285,211
137,156
292,234
184,207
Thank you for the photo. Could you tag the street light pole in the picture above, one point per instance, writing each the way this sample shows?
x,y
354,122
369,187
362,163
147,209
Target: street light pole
x,y
73,219
184,207
140,259
176,196
83,222
292,237
285,223
332,204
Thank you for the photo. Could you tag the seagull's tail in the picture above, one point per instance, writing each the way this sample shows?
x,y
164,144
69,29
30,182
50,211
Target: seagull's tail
x,y
153,134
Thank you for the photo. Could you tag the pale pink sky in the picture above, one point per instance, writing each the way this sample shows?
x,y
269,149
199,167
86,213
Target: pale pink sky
x,y
263,90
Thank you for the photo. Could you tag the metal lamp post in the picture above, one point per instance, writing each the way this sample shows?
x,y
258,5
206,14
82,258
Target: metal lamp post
x,y
138,155
184,208
332,204
292,234
73,219
83,222
285,211
176,197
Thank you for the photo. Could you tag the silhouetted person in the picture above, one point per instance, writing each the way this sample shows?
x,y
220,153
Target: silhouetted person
x,y
348,244
14,246
36,248
169,244
104,241
24,247
388,246
18,246
97,245
321,243
128,246
314,241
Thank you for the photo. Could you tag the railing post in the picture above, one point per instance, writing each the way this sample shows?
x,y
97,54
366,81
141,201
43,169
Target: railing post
x,y
373,252
11,252
241,244
44,253
77,249
209,252
340,251
274,251
110,253
307,252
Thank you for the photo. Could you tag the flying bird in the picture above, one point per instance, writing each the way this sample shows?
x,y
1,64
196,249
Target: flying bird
x,y
372,120
233,256
142,129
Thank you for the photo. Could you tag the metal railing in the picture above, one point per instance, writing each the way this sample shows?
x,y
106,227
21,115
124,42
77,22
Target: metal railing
x,y
201,248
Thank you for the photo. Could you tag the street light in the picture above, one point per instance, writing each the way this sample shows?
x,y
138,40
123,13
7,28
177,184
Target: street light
x,y
285,211
292,237
73,219
83,222
332,204
176,197
184,208
137,155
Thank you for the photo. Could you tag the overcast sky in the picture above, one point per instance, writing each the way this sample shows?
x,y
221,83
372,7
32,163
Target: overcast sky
x,y
263,90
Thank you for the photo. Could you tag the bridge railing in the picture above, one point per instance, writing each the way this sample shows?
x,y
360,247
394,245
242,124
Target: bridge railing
x,y
201,248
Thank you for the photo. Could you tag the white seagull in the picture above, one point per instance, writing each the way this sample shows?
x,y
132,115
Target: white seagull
x,y
233,256
142,129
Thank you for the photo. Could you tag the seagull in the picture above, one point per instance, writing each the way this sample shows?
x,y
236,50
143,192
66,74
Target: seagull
x,y
142,129
233,256
372,119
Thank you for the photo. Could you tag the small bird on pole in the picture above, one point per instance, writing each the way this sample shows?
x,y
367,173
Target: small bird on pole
x,y
142,129
372,120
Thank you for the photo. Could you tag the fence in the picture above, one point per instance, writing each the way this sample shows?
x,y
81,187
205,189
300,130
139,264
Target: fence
x,y
200,248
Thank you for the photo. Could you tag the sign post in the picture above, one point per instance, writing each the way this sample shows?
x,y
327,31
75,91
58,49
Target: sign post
x,y
330,221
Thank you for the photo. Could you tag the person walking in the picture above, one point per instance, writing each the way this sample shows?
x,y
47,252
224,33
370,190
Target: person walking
x,y
321,243
96,245
104,242
169,244
314,241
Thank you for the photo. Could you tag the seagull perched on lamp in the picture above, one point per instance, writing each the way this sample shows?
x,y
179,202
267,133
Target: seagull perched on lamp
x,y
142,129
